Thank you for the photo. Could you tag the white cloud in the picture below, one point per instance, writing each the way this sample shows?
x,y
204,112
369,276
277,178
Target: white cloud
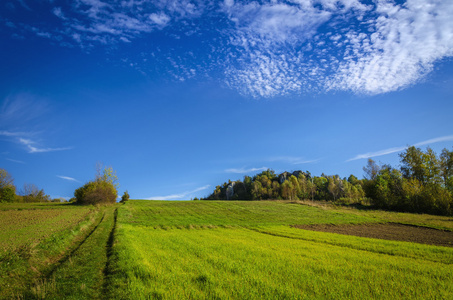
x,y
32,149
406,40
274,47
244,171
160,19
372,49
377,153
399,149
59,13
447,138
10,133
67,178
293,160
16,161
183,195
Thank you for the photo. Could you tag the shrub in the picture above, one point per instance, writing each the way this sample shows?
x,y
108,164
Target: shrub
x,y
96,192
7,194
103,190
125,197
31,193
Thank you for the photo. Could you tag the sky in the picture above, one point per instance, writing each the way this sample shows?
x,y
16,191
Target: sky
x,y
179,96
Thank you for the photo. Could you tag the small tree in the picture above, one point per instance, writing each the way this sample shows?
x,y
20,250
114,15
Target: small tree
x,y
7,188
125,197
31,193
103,190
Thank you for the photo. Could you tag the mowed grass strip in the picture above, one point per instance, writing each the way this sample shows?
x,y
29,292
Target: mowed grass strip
x,y
82,275
231,213
238,263
403,249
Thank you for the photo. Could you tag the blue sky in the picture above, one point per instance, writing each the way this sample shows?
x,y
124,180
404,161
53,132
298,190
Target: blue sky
x,y
179,96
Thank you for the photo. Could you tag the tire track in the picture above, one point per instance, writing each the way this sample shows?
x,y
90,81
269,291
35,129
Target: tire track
x,y
109,251
66,257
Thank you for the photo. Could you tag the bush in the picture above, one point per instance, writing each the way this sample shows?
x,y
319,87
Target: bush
x,y
103,190
31,193
125,197
96,192
8,194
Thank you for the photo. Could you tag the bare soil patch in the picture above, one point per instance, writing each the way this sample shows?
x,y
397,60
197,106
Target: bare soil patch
x,y
389,231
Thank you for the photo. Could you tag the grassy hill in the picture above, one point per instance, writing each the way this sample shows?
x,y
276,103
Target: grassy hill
x,y
215,250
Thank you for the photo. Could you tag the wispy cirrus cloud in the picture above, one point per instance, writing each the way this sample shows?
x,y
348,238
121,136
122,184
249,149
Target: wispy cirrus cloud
x,y
15,160
293,160
179,196
399,149
33,149
11,133
23,111
244,170
67,178
90,22
271,47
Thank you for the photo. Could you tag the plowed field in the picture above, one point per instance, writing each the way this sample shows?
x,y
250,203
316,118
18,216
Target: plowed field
x,y
389,231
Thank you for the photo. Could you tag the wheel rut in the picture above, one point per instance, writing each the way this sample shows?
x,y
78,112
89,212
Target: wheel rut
x,y
109,251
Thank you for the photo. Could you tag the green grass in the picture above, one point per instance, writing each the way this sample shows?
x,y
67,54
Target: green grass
x,y
20,225
231,213
82,274
34,237
246,250
213,250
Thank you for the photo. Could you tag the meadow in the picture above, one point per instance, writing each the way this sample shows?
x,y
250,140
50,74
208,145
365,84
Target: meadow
x,y
34,238
215,250
247,250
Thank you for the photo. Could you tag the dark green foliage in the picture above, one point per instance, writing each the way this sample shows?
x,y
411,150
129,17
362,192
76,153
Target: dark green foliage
x,y
423,185
28,194
297,185
8,194
125,197
7,188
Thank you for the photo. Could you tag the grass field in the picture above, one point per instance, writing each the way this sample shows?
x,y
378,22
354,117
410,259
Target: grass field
x,y
34,237
214,250
246,250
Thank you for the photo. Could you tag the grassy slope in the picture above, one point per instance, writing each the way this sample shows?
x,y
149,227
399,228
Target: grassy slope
x,y
82,274
34,237
208,250
231,213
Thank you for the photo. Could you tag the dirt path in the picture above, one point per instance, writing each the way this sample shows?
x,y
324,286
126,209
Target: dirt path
x,y
389,231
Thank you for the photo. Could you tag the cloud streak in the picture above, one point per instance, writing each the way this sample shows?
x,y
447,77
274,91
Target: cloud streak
x,y
67,178
11,134
293,160
32,149
399,149
244,171
180,196
16,161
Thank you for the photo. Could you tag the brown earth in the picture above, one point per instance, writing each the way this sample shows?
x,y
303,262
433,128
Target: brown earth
x,y
389,231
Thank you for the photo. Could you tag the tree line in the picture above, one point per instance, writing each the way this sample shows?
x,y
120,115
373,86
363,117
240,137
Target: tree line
x,y
29,193
423,183
102,190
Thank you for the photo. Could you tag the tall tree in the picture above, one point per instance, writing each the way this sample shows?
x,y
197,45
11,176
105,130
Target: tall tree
x,y
446,166
5,179
371,169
